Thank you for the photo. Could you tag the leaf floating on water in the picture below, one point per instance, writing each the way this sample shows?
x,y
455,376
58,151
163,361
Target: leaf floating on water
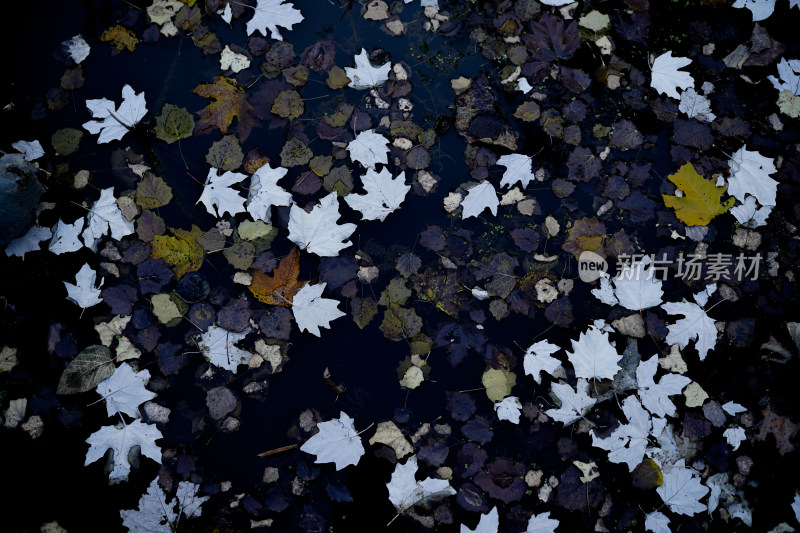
x,y
90,367
282,285
701,200
174,123
182,252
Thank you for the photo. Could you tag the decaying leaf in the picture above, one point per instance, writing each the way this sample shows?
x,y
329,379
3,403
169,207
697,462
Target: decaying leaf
x,y
282,285
181,251
90,367
229,101
173,124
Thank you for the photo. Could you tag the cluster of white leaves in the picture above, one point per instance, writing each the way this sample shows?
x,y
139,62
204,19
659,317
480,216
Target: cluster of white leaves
x,y
761,9
574,402
655,396
121,439
519,168
696,105
538,358
124,391
627,442
406,492
593,356
636,288
481,196
749,214
788,76
218,196
696,324
113,123
104,216
364,75
155,515
336,442
219,345
317,232
384,194
269,14
369,149
265,192
312,311
84,293
666,78
749,182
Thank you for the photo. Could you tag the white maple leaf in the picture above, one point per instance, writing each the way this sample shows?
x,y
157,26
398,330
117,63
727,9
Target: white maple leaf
x,y
265,192
155,515
83,293
121,440
479,197
218,344
750,175
28,242
761,9
537,359
317,232
66,237
104,216
605,293
519,168
682,490
489,523
30,150
637,289
508,409
312,311
796,507
627,442
337,442
218,195
666,78
735,436
369,148
696,105
269,14
124,391
113,123
405,491
77,48
655,396
788,76
593,357
749,214
656,522
574,403
364,75
541,523
384,194
696,324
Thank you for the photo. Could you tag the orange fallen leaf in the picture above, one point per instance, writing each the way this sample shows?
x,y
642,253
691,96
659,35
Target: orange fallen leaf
x,y
282,285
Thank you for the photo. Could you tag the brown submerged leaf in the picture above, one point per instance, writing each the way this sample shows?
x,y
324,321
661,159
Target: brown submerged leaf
x,y
229,101
280,288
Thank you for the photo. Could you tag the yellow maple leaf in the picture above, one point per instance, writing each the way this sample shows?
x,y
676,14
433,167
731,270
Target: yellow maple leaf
x,y
182,252
701,200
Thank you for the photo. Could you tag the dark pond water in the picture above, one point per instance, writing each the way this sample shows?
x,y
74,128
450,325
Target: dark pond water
x,y
45,478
